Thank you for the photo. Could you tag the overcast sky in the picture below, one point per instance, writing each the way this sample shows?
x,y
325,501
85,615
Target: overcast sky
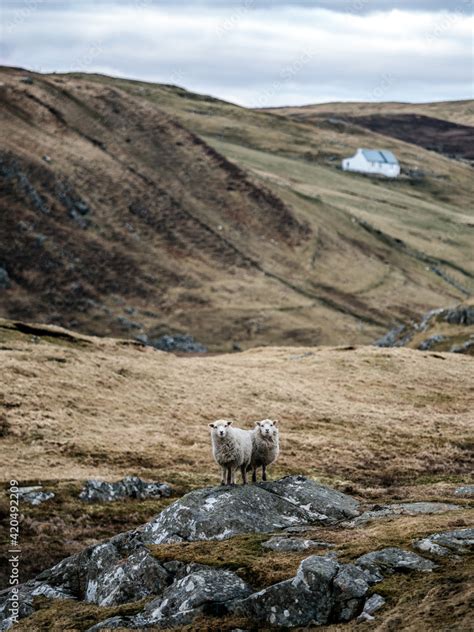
x,y
254,52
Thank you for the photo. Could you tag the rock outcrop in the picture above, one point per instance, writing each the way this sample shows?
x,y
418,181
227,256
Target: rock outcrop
x,y
447,543
34,495
449,329
222,512
123,570
128,487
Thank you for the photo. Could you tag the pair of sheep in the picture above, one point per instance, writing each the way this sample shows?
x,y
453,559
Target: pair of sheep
x,y
234,448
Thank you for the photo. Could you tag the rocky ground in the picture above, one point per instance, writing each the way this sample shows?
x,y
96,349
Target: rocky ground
x,y
208,562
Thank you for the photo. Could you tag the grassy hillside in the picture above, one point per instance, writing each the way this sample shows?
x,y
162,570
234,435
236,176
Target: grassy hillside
x,y
461,112
238,227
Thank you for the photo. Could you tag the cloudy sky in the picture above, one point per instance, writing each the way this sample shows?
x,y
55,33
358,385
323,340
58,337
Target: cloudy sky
x,y
254,52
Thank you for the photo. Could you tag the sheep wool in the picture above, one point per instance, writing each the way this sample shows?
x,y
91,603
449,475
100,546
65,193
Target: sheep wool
x,y
232,449
265,447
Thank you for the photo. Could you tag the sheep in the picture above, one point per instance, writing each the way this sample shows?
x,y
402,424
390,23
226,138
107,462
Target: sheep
x,y
265,447
232,449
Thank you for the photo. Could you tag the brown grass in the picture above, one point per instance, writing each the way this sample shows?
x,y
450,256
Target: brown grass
x,y
366,416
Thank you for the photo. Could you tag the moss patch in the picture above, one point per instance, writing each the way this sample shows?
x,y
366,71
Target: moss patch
x,y
242,554
61,615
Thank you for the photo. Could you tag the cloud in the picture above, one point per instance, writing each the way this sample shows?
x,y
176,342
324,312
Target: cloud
x,y
246,52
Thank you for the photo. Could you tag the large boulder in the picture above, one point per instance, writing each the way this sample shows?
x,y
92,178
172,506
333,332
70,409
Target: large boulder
x,y
322,591
206,591
222,512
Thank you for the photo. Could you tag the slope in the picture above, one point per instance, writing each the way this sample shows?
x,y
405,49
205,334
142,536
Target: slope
x,y
263,241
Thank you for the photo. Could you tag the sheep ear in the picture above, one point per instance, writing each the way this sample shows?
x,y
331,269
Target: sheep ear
x,y
258,423
229,423
275,422
211,426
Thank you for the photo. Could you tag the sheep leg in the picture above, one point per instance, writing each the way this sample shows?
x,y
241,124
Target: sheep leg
x,y
254,475
264,472
229,476
243,469
224,472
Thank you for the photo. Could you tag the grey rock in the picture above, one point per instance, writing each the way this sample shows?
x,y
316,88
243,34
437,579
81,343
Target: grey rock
x,y
465,490
23,599
221,512
373,603
81,207
402,509
27,80
464,347
128,487
350,586
81,575
396,337
458,542
4,279
284,544
323,503
34,495
321,591
79,218
430,342
178,342
205,591
387,561
460,315
127,580
142,338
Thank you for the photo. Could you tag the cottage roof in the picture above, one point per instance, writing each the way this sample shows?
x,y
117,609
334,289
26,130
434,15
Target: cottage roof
x,y
380,155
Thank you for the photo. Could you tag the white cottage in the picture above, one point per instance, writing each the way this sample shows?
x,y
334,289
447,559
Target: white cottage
x,y
377,161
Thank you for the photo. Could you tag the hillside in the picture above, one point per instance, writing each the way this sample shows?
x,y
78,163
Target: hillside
x,y
135,208
387,426
460,112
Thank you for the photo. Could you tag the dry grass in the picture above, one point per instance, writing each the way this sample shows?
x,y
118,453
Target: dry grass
x,y
383,425
366,415
351,284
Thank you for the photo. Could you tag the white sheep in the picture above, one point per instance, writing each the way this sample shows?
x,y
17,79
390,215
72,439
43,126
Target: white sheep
x,y
265,447
232,449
